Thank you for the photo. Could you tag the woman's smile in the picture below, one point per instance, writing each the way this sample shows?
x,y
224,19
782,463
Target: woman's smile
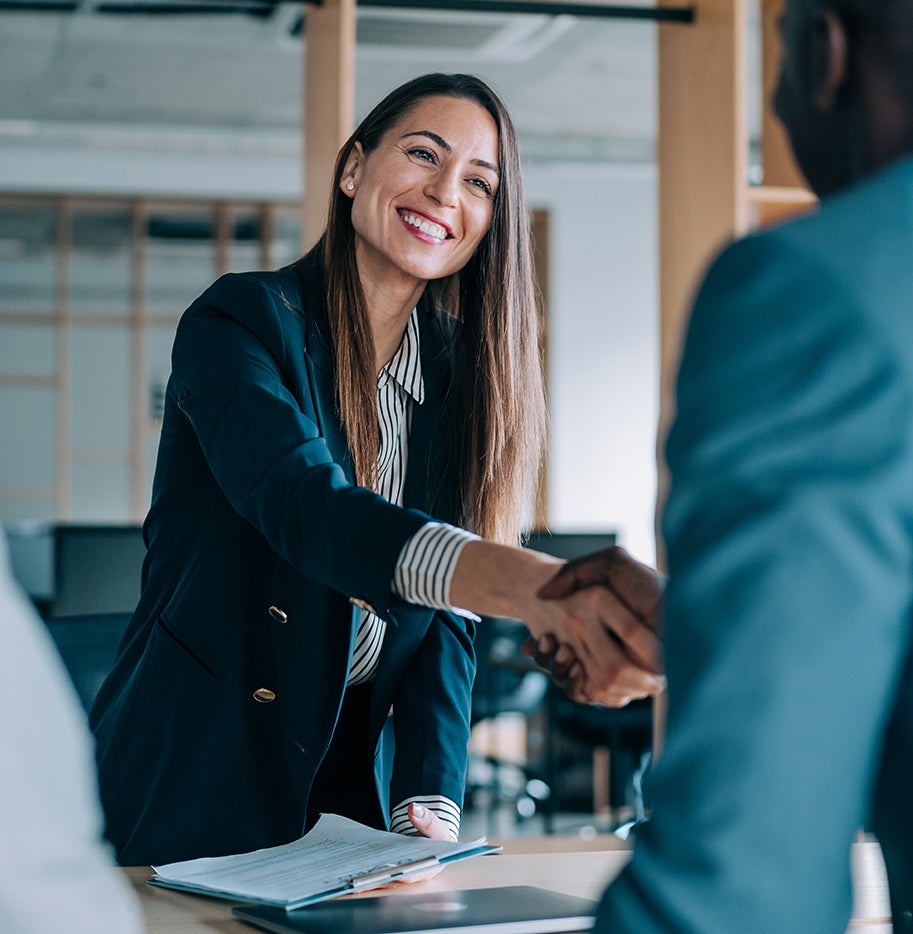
x,y
425,228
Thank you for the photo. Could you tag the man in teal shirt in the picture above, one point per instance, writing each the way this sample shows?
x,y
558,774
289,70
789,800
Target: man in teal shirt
x,y
789,526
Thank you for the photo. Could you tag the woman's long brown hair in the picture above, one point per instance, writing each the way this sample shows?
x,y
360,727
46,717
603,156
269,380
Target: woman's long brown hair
x,y
496,406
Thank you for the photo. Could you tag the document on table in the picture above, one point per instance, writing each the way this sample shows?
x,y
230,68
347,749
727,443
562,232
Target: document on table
x,y
336,857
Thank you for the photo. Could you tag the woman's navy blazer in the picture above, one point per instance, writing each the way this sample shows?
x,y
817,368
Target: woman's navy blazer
x,y
229,681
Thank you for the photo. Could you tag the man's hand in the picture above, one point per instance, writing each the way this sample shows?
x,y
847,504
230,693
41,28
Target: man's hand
x,y
559,661
618,654
636,585
639,589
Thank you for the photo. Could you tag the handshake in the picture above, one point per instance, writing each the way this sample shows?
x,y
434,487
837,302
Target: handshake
x,y
608,650
594,621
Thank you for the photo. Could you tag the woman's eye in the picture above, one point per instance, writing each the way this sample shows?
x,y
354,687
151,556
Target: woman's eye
x,y
481,184
420,153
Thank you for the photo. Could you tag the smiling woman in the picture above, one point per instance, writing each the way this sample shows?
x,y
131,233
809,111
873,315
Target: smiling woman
x,y
322,423
336,434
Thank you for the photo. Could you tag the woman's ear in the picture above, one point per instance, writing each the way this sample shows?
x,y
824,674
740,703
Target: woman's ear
x,y
828,60
351,172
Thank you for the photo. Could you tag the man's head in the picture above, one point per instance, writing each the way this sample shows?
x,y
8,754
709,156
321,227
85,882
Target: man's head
x,y
845,93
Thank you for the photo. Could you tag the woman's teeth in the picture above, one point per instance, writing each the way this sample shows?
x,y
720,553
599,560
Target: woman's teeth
x,y
425,226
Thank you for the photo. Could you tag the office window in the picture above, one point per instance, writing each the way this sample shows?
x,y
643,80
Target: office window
x,y
99,392
99,274
27,474
28,257
91,291
180,257
27,349
285,237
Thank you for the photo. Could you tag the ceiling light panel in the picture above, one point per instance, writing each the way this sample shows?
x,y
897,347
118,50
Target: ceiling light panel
x,y
457,36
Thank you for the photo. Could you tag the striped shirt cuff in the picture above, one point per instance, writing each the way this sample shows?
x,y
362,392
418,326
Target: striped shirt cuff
x,y
444,808
426,564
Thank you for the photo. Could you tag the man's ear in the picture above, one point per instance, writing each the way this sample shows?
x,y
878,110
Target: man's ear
x,y
828,60
351,172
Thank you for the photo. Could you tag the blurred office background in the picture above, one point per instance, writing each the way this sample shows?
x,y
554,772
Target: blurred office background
x,y
147,146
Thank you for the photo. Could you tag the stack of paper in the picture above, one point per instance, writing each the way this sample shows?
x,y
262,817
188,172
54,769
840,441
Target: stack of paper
x,y
336,857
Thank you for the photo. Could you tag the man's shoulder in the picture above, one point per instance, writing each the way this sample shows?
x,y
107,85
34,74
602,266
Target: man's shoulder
x,y
855,241
856,221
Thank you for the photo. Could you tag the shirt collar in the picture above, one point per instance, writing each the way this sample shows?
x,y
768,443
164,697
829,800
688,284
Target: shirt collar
x,y
405,366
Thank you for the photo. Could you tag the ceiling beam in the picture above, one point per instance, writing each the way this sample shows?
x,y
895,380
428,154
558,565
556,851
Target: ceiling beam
x,y
686,13
682,14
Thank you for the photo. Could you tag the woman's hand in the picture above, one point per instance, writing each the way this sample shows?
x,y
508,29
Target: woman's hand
x,y
428,824
559,661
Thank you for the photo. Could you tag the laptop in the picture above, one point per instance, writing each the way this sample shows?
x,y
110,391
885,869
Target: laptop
x,y
517,909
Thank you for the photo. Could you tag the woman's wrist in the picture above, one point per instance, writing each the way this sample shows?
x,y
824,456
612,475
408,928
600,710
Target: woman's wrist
x,y
500,580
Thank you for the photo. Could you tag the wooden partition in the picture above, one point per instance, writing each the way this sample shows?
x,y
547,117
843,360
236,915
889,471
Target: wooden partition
x,y
329,103
705,195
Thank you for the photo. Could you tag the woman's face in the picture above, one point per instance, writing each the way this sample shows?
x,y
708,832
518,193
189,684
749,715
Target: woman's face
x,y
423,198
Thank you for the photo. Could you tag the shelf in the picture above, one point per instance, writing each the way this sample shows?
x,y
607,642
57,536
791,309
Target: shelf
x,y
770,204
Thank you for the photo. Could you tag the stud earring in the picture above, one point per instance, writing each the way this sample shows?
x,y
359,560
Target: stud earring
x,y
350,186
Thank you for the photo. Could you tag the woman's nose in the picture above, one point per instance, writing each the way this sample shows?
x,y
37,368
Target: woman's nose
x,y
443,188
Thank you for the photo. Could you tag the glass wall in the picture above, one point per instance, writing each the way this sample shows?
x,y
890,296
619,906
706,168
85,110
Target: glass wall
x,y
91,291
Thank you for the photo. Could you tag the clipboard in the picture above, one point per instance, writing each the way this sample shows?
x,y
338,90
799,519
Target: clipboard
x,y
337,857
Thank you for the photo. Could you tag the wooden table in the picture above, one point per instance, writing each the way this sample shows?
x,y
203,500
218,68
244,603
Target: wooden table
x,y
568,865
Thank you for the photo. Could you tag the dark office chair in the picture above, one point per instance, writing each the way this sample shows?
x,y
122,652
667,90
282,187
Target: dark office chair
x,y
97,569
575,730
625,733
88,645
506,682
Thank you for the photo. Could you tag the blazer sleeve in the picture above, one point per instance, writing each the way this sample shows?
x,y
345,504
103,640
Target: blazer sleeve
x,y
431,709
240,380
789,548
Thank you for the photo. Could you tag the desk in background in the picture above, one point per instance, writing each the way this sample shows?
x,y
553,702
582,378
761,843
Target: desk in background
x,y
563,864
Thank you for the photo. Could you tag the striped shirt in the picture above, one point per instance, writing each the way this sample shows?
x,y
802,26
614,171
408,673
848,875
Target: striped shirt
x,y
425,566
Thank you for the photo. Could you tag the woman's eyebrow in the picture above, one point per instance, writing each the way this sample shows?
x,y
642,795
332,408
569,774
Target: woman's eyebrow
x,y
434,137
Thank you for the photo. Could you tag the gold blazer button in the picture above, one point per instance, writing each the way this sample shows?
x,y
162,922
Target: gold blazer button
x,y
264,696
279,615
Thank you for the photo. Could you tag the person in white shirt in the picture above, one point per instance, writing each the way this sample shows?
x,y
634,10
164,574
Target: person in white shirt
x,y
57,872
